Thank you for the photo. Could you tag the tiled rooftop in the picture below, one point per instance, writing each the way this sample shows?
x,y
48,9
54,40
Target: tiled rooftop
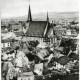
x,y
36,28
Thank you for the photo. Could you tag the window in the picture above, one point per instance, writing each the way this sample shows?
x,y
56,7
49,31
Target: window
x,y
8,45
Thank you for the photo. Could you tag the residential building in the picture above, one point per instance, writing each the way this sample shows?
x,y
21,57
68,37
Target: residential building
x,y
26,76
6,43
16,27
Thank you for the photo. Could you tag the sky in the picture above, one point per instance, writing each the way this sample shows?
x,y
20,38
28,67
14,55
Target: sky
x,y
16,8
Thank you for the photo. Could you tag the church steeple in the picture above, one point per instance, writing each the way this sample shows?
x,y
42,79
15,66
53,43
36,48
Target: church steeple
x,y
29,13
47,17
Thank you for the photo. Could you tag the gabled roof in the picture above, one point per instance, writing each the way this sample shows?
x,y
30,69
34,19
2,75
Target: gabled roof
x,y
19,33
74,56
6,40
3,27
63,60
6,49
36,28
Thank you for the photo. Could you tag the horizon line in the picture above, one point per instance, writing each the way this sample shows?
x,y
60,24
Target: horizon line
x,y
38,13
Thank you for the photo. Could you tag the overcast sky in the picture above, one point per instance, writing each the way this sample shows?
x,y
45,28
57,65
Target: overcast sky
x,y
14,8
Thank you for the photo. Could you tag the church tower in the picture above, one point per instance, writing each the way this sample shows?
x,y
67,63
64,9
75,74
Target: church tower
x,y
29,14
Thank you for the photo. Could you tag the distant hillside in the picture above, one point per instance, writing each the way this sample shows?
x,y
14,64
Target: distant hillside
x,y
52,16
56,16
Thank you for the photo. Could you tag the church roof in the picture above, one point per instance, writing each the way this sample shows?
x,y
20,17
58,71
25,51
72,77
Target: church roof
x,y
36,28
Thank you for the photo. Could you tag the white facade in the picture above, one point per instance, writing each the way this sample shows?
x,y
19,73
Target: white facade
x,y
34,39
26,78
10,72
21,59
68,32
41,43
5,45
8,35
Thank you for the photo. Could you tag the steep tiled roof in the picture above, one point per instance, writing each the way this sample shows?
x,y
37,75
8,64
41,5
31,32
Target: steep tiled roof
x,y
63,60
36,28
74,56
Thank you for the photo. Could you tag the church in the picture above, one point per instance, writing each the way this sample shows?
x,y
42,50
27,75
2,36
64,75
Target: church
x,y
36,30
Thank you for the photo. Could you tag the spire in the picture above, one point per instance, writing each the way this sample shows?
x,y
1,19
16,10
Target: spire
x,y
29,13
47,17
